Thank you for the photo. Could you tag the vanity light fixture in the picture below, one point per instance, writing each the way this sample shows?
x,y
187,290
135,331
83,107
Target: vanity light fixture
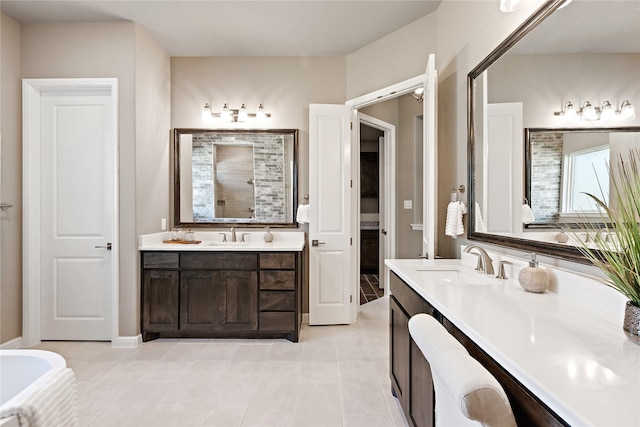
x,y
606,111
418,94
568,111
509,5
627,110
232,115
588,112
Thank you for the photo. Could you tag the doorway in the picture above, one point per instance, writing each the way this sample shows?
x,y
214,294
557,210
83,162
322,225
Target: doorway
x,y
371,188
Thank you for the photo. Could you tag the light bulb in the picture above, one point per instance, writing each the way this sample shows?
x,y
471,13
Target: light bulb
x,y
589,112
242,114
226,114
627,110
607,112
260,115
509,5
569,111
206,113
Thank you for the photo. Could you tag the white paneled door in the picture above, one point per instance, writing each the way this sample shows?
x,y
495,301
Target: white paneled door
x,y
77,197
329,208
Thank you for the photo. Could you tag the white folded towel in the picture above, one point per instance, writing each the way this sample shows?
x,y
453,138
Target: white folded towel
x,y
302,216
527,214
454,226
51,400
480,225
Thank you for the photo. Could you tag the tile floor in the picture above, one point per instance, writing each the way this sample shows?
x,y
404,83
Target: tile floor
x,y
335,376
369,288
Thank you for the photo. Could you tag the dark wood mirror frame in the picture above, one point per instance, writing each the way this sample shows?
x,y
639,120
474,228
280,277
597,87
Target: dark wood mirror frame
x,y
545,248
233,222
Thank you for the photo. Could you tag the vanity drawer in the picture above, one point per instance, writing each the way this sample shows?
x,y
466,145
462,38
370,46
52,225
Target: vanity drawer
x,y
278,321
219,261
277,280
160,260
277,300
277,260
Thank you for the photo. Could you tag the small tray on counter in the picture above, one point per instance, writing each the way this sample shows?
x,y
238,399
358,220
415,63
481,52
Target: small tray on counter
x,y
183,242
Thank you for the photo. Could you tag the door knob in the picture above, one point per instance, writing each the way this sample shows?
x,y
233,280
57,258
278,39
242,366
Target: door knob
x,y
384,231
108,247
316,243
4,206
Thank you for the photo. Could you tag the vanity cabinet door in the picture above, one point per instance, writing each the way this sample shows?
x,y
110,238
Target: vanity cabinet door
x,y
199,296
399,341
238,302
218,300
160,300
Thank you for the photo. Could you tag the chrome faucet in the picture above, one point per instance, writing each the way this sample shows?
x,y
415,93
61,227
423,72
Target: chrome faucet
x,y
485,263
233,234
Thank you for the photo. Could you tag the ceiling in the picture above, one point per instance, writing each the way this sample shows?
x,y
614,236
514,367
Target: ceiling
x,y
240,28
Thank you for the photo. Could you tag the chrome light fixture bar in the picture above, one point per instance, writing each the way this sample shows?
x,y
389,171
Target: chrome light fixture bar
x,y
233,115
588,112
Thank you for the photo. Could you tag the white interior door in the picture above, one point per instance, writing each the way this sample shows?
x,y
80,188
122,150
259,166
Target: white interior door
x,y
503,182
330,257
73,195
430,160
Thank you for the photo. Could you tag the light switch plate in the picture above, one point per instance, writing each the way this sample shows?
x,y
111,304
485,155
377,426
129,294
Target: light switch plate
x,y
408,204
163,224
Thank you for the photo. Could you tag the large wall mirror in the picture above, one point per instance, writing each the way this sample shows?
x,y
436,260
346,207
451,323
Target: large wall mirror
x,y
235,177
530,161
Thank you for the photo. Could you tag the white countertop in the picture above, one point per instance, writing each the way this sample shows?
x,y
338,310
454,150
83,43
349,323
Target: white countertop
x,y
212,241
574,358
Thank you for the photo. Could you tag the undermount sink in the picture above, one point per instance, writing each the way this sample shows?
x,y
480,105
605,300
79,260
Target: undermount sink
x,y
226,244
456,277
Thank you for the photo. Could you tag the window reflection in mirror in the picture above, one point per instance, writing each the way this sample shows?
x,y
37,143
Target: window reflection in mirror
x,y
241,177
563,165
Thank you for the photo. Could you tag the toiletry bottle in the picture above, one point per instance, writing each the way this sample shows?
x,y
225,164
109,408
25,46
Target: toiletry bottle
x,y
268,236
534,278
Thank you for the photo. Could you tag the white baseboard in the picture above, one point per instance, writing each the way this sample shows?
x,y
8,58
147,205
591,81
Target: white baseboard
x,y
127,342
305,318
12,344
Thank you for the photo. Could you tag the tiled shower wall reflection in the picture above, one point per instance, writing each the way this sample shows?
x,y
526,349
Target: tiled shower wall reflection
x,y
264,181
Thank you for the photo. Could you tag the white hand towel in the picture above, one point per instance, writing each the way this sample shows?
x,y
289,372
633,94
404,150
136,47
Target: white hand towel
x,y
51,400
527,214
454,226
480,225
302,216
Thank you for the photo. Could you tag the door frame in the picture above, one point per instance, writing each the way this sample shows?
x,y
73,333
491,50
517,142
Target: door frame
x,y
32,90
387,155
380,95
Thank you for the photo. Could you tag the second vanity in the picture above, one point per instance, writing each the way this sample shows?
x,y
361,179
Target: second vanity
x,y
242,289
561,356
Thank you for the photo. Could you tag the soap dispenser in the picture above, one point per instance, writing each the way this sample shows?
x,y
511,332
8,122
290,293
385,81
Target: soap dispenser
x,y
268,236
534,278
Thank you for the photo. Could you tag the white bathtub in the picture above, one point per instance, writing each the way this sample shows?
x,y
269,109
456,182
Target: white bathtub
x,y
20,368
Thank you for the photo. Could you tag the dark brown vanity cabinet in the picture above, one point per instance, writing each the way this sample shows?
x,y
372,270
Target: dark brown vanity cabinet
x,y
411,380
216,294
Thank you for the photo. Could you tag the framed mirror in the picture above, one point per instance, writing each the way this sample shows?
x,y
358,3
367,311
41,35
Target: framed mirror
x,y
521,94
229,178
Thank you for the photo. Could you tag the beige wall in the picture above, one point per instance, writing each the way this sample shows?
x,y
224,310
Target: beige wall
x,y
11,181
396,57
152,148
